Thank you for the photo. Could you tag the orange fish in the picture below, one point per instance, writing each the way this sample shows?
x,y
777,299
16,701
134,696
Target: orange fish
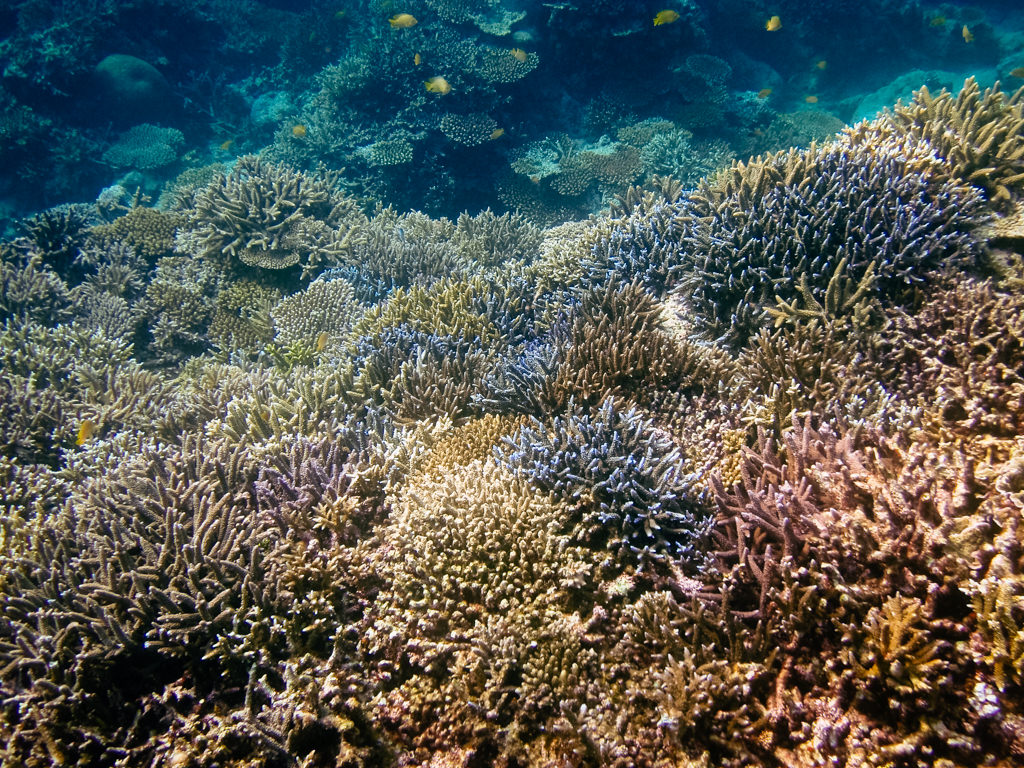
x,y
811,99
299,131
967,34
1018,73
438,85
403,21
773,24
321,341
764,93
85,432
518,54
821,64
668,16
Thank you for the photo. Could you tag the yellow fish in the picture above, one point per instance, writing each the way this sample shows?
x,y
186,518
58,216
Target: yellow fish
x,y
821,64
299,131
85,432
1018,73
417,59
764,93
773,24
438,85
811,99
497,133
403,21
321,341
967,34
226,145
518,54
665,17
938,21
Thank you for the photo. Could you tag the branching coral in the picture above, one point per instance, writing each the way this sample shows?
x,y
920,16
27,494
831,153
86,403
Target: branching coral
x,y
147,230
30,289
473,562
980,134
961,357
271,217
323,306
628,480
151,568
797,221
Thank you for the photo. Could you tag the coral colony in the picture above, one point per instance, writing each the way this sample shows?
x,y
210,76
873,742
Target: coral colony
x,y
656,457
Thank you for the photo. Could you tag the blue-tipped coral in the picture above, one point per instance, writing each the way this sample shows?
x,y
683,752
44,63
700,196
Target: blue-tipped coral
x,y
627,479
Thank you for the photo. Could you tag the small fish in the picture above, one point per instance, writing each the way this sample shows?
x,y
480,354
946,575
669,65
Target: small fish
x,y
438,85
1018,73
403,21
811,99
967,34
518,54
938,21
299,131
85,432
764,93
773,24
321,341
497,133
417,59
339,14
226,145
665,17
821,64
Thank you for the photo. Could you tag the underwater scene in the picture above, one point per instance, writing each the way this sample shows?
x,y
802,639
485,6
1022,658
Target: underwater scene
x,y
469,383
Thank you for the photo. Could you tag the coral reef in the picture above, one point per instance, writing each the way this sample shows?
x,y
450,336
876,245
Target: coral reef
x,y
729,474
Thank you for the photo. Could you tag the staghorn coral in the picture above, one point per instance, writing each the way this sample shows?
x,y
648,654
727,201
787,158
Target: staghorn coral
x,y
416,374
961,357
613,342
796,222
271,217
57,236
30,289
470,557
488,239
400,250
628,480
242,316
978,133
151,559
644,244
812,366
179,304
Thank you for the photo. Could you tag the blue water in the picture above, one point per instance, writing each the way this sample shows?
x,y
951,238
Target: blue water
x,y
235,78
